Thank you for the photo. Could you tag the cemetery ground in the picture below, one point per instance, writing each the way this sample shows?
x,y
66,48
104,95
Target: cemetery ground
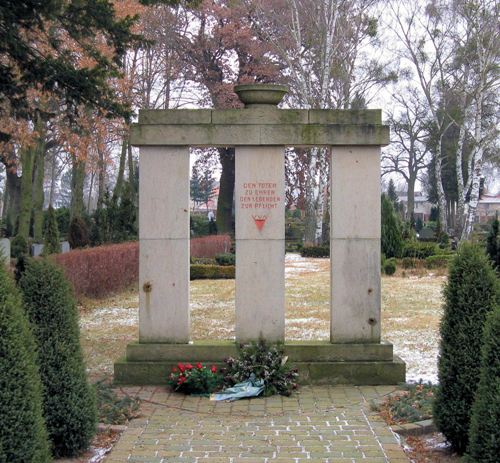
x,y
411,312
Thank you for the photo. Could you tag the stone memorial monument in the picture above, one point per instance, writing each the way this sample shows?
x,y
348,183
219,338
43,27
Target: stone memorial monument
x,y
260,132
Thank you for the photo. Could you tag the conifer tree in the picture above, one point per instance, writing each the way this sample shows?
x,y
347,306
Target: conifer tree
x,y
51,243
391,240
69,401
23,436
493,243
470,294
484,446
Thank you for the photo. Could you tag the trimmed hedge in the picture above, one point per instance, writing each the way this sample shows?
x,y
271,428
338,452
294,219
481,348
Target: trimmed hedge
x,y
419,250
470,294
100,271
212,272
23,436
69,400
484,432
315,251
210,246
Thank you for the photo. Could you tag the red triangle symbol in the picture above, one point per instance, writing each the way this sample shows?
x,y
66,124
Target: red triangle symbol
x,y
259,220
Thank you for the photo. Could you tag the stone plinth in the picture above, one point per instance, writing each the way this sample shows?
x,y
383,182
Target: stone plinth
x,y
164,245
318,362
260,243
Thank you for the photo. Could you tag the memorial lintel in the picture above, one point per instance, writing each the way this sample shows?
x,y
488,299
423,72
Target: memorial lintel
x,y
198,134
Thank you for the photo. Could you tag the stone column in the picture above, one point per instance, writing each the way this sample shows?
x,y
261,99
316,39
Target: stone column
x,y
260,243
355,244
164,244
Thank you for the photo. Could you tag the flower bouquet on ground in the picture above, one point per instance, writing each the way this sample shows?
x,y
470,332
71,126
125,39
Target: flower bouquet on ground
x,y
199,379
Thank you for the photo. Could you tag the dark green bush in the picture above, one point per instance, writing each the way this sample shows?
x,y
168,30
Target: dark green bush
x,y
267,362
419,250
199,225
470,294
484,432
315,251
438,261
225,259
51,244
18,246
391,237
389,266
78,234
23,437
212,272
69,401
493,244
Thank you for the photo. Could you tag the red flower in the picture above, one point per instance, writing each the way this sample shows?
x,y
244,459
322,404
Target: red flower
x,y
199,366
189,366
181,367
213,369
182,379
175,370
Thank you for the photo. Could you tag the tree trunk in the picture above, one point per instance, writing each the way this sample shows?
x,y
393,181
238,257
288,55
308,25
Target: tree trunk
x,y
411,197
77,181
26,200
121,170
91,187
101,174
226,191
12,200
439,188
311,196
38,194
53,175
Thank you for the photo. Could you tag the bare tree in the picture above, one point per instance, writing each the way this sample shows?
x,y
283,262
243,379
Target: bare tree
x,y
408,153
322,46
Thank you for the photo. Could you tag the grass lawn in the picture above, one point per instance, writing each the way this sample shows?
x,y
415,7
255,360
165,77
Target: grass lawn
x,y
411,311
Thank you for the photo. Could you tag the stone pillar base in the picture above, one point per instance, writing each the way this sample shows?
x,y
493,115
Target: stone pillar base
x,y
318,362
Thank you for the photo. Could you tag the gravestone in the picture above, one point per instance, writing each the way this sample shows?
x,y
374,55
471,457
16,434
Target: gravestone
x,y
36,249
260,132
65,247
5,250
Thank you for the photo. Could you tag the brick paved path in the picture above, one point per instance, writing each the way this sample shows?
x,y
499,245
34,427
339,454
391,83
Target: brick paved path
x,y
318,424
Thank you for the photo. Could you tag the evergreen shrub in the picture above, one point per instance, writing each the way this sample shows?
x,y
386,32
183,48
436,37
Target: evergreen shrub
x,y
18,246
419,250
470,294
484,432
493,243
100,271
23,436
391,237
389,266
225,259
69,401
78,234
315,251
212,272
51,244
